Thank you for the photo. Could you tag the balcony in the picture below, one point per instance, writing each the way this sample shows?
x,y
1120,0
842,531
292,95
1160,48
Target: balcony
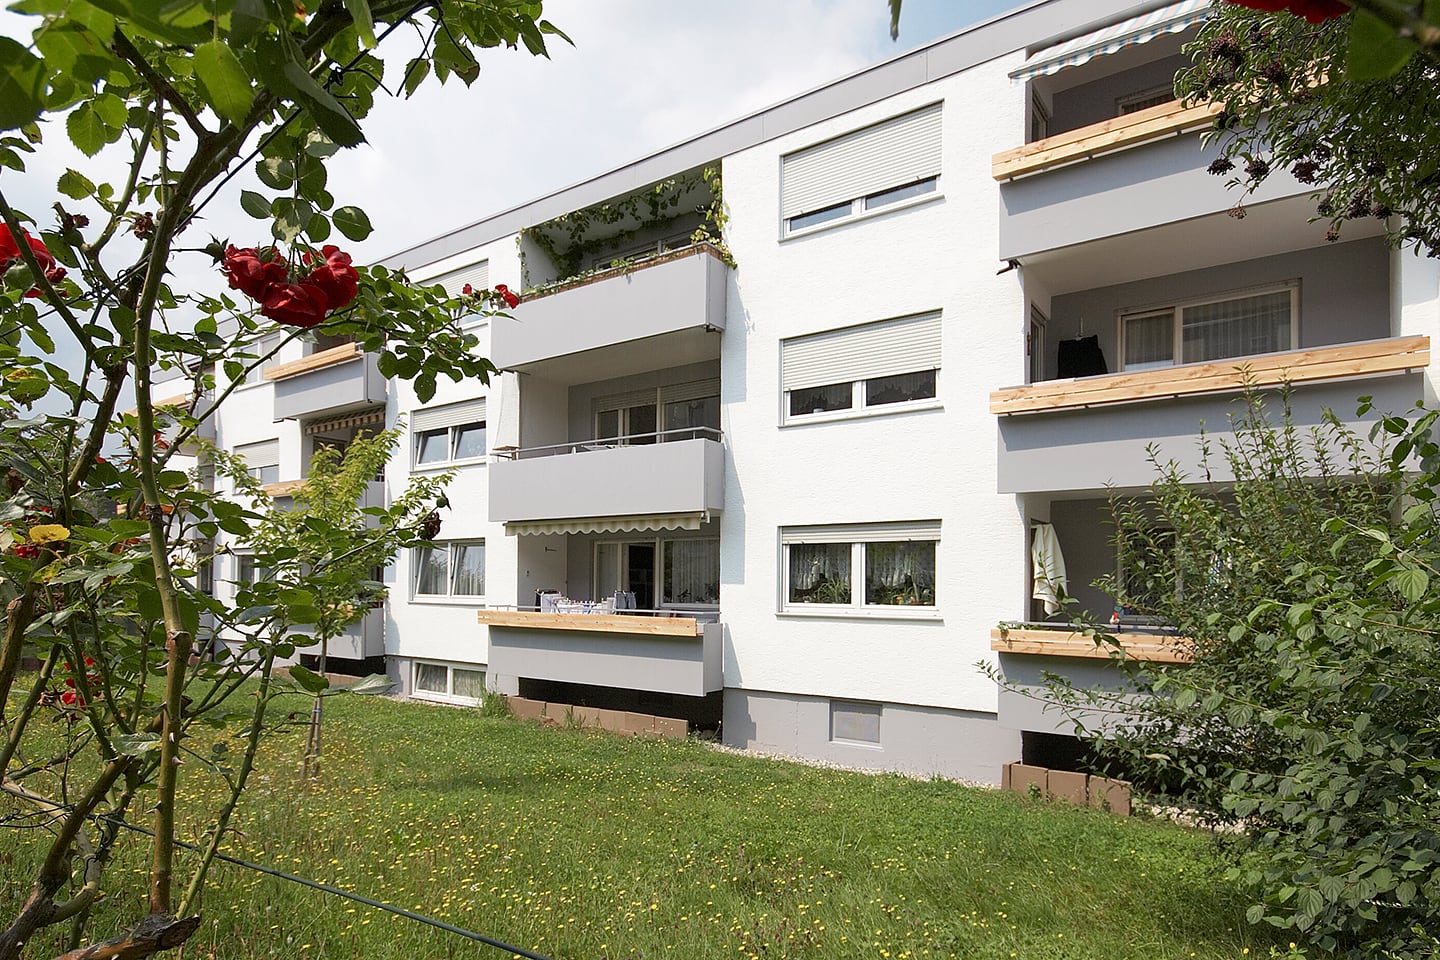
x,y
675,655
592,486
587,329
1046,641
328,382
1093,432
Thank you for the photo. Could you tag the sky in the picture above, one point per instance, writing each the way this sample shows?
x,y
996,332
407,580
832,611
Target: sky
x,y
641,75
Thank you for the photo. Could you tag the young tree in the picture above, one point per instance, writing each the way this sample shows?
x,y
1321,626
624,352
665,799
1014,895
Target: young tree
x,y
1307,722
184,95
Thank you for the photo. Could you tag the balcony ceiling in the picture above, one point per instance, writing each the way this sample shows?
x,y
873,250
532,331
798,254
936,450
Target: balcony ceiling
x,y
675,349
1278,226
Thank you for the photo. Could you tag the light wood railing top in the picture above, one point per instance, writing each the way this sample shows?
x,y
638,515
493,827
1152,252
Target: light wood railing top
x,y
1294,366
592,622
284,488
1108,136
1150,647
316,361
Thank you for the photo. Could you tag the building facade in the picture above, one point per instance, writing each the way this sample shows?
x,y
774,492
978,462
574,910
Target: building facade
x,y
786,405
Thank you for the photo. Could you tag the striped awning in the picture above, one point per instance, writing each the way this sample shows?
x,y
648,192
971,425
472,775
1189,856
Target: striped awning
x,y
1107,40
649,522
374,417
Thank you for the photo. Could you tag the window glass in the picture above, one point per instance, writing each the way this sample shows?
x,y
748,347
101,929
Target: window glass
x,y
268,473
642,426
430,677
607,424
820,216
430,570
834,396
1236,328
819,573
261,348
469,570
692,571
469,441
433,446
682,415
900,388
1150,340
896,194
468,683
900,573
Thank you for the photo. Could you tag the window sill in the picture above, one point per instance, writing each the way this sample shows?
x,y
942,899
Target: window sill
x,y
449,699
919,201
864,413
443,465
921,614
439,601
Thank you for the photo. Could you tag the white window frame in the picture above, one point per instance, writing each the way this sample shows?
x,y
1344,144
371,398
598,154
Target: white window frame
x,y
1144,99
448,695
269,452
858,537
1035,345
453,419
919,179
262,346
658,399
1177,309
601,591
851,340
449,596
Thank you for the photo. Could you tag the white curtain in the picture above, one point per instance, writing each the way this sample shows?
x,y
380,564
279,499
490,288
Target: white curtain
x,y
1237,328
816,565
692,571
900,572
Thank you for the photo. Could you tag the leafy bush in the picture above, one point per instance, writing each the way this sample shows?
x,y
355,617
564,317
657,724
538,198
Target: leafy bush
x,y
1309,719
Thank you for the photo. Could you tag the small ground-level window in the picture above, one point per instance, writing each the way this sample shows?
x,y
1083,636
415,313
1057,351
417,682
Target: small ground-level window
x,y
854,722
440,681
431,678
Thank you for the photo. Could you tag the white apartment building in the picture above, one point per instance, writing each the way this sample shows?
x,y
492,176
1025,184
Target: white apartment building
x,y
958,295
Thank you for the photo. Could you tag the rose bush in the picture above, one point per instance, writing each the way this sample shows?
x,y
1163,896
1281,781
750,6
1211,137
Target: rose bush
x,y
10,254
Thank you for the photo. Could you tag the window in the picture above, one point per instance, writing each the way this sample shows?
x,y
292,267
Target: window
x,y
691,573
866,170
247,573
455,569
475,274
450,433
1035,346
261,348
854,722
683,411
262,460
1039,118
870,368
1242,325
1145,570
858,568
1144,99
640,250
688,572
439,681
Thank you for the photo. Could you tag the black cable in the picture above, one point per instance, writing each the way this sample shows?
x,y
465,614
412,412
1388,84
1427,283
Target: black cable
x,y
348,895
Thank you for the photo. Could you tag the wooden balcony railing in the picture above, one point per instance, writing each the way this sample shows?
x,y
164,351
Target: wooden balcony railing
x,y
1271,369
1121,133
316,361
1150,647
593,622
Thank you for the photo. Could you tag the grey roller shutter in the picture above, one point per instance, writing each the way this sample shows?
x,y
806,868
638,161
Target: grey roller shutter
x,y
889,154
266,453
697,390
863,532
888,348
434,418
477,275
619,401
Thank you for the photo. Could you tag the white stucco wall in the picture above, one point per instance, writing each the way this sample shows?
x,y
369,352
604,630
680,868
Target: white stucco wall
x,y
903,466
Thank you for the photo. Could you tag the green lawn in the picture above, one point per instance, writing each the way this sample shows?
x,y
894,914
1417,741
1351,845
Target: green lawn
x,y
590,846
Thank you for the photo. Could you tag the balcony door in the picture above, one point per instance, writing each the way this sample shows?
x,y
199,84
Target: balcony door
x,y
628,567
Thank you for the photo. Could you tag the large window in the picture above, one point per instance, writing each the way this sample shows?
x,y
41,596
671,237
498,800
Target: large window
x,y
261,348
1197,331
684,411
857,568
861,172
873,368
448,434
262,460
454,569
687,571
440,681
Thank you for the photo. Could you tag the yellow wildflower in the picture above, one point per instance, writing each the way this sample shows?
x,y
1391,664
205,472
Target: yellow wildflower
x,y
49,533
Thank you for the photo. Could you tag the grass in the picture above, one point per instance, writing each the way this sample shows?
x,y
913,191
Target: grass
x,y
586,845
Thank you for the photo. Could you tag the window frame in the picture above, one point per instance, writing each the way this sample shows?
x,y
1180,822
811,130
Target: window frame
x,y
662,569
860,208
920,337
621,405
858,606
452,548
448,695
452,434
262,346
1177,330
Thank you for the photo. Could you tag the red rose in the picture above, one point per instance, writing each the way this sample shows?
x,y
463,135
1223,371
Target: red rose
x,y
10,253
296,304
253,272
511,300
336,279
